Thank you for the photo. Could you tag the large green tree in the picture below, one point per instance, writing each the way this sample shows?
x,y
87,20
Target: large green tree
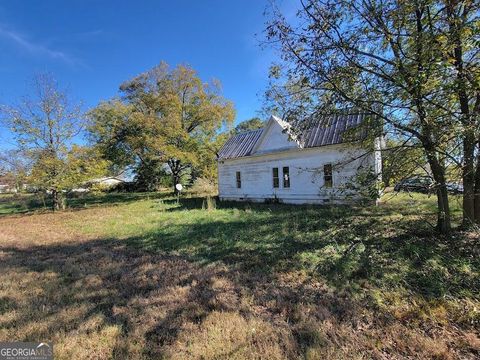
x,y
164,116
456,26
389,58
45,125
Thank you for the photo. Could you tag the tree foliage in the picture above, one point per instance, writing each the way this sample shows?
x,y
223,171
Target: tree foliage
x,y
45,125
164,116
67,170
247,125
400,161
15,166
395,59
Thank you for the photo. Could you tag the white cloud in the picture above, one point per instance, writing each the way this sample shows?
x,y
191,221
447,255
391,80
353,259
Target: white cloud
x,y
35,48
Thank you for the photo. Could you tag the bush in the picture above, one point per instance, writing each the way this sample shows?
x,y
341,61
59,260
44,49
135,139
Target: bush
x,y
98,188
124,187
204,187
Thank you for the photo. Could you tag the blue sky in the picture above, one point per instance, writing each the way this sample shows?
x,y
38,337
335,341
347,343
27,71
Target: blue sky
x,y
92,46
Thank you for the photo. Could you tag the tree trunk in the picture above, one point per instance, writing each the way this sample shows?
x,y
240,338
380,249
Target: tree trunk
x,y
477,189
55,200
176,180
456,25
443,217
175,168
468,176
443,213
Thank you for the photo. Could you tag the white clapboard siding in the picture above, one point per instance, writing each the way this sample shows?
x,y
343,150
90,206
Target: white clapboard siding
x,y
306,174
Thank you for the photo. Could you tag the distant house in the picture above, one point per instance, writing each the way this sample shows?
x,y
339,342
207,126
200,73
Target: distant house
x,y
8,183
104,182
321,164
7,188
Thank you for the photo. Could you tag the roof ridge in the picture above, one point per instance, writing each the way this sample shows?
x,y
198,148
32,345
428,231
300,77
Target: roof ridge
x,y
248,131
321,130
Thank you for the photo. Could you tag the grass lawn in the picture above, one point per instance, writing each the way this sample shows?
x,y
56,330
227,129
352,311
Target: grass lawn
x,y
140,276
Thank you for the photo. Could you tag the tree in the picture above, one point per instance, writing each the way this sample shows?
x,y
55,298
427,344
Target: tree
x,y
15,165
381,57
44,126
164,116
457,29
64,171
400,161
247,125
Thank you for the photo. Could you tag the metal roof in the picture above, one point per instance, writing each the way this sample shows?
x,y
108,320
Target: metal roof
x,y
326,130
240,145
329,130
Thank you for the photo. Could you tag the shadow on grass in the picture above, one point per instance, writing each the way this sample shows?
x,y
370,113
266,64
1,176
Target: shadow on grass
x,y
111,199
154,287
31,203
76,290
387,209
348,247
20,203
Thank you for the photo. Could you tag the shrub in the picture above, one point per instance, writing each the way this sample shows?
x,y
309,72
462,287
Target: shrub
x,y
204,187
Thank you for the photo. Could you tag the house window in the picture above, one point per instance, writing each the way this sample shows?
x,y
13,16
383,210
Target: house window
x,y
275,178
239,180
328,175
286,177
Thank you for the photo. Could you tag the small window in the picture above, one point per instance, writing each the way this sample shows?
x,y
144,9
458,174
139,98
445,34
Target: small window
x,y
286,177
275,178
239,180
328,175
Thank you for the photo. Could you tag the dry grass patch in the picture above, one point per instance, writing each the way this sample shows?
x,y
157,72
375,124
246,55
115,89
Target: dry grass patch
x,y
229,335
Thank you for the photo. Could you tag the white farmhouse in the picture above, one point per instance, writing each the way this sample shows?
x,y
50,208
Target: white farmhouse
x,y
320,165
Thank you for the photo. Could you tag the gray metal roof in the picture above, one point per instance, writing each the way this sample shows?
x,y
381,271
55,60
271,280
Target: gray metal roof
x,y
329,130
322,131
240,145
